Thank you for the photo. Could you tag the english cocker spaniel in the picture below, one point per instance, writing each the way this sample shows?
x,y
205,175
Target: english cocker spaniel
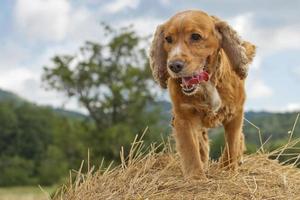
x,y
203,63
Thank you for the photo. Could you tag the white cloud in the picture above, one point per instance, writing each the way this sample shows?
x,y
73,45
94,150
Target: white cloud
x,y
268,40
83,26
14,78
272,40
56,20
242,23
296,71
27,83
20,72
143,25
292,107
256,64
119,5
11,54
165,2
287,37
258,89
31,90
289,107
42,19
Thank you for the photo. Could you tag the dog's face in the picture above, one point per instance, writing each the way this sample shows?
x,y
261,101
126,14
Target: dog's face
x,y
186,47
190,42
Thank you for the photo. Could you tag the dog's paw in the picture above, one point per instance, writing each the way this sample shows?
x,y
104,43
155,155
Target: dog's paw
x,y
241,161
196,176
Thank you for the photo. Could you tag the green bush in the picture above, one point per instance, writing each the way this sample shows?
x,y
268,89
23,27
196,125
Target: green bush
x,y
16,171
53,167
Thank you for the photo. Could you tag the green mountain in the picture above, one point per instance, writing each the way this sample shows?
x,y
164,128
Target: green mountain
x,y
69,113
274,125
9,96
270,124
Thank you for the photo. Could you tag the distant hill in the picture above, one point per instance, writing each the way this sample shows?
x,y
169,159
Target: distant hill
x,y
69,113
14,98
277,126
271,124
9,96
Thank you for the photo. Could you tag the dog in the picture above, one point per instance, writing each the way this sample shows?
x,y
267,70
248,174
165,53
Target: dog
x,y
203,63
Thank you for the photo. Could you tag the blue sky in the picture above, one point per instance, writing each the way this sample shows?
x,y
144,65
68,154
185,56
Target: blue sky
x,y
32,31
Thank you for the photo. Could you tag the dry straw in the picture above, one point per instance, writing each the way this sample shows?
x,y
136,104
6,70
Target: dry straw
x,y
146,174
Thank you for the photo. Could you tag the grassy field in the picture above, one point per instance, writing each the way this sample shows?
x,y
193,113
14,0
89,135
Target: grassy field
x,y
26,193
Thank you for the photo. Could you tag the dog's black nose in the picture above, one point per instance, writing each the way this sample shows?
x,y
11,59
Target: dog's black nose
x,y
176,66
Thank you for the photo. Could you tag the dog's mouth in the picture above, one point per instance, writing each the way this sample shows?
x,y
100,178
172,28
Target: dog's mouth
x,y
190,83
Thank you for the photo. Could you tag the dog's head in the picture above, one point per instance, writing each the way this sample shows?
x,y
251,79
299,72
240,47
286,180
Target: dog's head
x,y
186,47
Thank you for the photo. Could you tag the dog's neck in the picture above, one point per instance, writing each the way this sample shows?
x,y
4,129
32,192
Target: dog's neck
x,y
214,68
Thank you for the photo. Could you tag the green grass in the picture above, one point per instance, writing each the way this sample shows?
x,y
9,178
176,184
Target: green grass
x,y
26,193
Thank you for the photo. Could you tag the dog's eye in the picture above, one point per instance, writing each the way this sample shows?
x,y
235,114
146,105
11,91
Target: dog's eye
x,y
196,37
169,39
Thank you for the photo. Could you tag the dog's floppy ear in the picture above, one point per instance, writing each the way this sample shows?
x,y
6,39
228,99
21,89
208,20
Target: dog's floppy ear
x,y
158,58
239,52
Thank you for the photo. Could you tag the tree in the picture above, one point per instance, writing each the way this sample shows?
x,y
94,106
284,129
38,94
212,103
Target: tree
x,y
38,145
53,167
8,129
112,80
16,170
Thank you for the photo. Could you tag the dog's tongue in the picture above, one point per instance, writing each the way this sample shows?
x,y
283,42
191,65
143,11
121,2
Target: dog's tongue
x,y
192,80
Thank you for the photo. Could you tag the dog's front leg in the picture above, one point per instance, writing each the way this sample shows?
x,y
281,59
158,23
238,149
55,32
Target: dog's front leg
x,y
187,144
204,146
234,142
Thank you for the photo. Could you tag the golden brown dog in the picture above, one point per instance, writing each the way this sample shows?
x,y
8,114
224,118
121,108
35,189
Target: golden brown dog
x,y
203,63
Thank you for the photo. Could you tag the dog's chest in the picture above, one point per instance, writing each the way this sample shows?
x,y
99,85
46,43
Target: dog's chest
x,y
210,119
209,110
206,98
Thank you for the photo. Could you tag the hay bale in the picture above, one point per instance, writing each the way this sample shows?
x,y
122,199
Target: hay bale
x,y
158,176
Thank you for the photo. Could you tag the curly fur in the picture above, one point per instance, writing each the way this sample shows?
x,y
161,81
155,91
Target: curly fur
x,y
220,101
235,48
158,58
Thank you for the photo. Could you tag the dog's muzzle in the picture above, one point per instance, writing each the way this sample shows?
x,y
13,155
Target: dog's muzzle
x,y
190,83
